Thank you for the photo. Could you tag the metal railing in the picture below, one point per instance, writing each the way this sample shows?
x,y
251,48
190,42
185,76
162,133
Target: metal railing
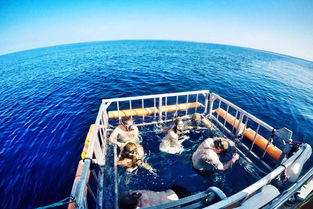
x,y
98,144
206,104
156,102
244,120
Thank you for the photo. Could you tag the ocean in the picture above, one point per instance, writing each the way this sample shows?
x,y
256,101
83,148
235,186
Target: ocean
x,y
50,96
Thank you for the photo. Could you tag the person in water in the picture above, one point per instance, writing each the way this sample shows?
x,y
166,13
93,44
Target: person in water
x,y
126,132
207,156
172,142
198,119
146,198
131,157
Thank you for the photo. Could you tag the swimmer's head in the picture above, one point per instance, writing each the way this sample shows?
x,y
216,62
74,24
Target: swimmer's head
x,y
179,124
129,201
130,151
127,122
131,147
196,117
196,120
221,144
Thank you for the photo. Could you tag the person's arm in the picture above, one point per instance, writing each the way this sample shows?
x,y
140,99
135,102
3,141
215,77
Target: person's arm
x,y
148,167
172,134
135,130
140,152
206,123
113,137
174,138
125,162
183,138
230,162
164,128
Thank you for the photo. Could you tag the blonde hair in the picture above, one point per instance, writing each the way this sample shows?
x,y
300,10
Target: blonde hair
x,y
131,149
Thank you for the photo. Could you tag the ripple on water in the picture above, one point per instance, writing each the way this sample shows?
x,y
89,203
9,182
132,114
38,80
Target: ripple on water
x,y
50,96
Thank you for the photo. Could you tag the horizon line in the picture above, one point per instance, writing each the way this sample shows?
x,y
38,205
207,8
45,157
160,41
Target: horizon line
x,y
177,40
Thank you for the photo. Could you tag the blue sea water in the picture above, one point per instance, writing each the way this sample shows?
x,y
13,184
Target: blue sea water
x,y
50,96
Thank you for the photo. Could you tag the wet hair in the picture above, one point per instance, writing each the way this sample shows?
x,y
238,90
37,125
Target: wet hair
x,y
125,120
196,117
130,151
176,122
129,201
195,120
218,143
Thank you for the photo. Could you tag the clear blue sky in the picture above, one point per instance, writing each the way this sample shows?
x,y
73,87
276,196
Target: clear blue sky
x,y
274,25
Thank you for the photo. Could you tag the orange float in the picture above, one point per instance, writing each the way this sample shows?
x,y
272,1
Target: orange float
x,y
260,141
229,118
152,110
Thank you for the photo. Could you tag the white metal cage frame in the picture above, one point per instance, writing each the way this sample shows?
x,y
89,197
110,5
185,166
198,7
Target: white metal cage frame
x,y
208,103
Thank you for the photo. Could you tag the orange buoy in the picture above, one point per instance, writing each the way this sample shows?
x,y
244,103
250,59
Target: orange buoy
x,y
152,110
87,141
260,141
230,119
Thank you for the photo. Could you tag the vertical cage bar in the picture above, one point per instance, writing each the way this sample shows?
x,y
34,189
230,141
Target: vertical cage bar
x,y
176,106
118,111
256,134
131,109
197,99
267,145
219,106
154,105
225,119
93,195
101,129
160,108
239,124
143,107
236,115
95,177
244,128
166,108
115,178
187,100
206,101
211,99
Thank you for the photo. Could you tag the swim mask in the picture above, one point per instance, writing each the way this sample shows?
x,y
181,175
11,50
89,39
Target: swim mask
x,y
221,144
129,125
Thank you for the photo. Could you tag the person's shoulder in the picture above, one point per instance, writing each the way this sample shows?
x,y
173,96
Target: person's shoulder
x,y
171,195
172,132
207,142
135,128
209,139
119,127
139,147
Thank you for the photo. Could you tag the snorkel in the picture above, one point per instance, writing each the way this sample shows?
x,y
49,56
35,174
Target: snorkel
x,y
127,122
221,146
129,125
225,146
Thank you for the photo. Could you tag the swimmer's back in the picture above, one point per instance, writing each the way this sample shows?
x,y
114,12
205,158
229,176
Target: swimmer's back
x,y
204,158
150,198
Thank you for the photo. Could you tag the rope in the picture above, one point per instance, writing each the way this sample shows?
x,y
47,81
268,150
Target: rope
x,y
65,201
